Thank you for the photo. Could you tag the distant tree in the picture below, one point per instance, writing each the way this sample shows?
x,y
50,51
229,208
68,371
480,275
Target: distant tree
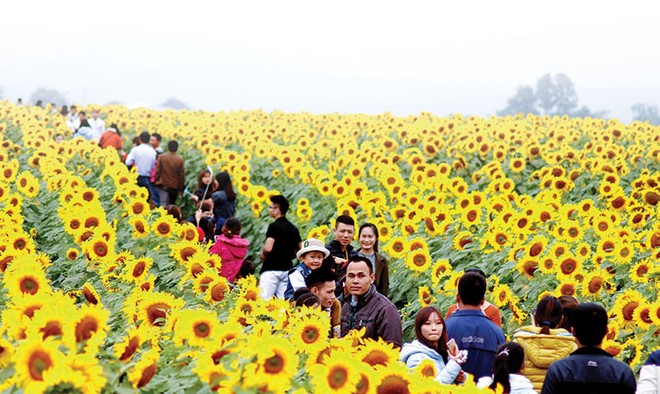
x,y
554,95
115,102
524,101
48,96
1,93
646,112
174,103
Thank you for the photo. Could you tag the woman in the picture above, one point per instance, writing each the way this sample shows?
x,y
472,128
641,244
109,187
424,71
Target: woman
x,y
368,238
224,199
112,138
204,187
231,248
509,362
544,342
431,344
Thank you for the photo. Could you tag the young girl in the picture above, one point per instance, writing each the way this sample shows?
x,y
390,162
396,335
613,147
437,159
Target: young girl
x,y
506,371
368,238
431,344
544,342
231,248
204,187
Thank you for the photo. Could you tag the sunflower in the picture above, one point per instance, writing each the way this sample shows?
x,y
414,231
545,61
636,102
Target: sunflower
x,y
310,329
33,358
140,227
418,261
90,294
440,269
72,254
425,296
642,316
26,276
137,268
336,374
217,290
593,284
275,365
155,307
501,295
27,184
195,327
89,326
90,368
567,287
394,379
378,353
164,226
184,250
6,352
567,265
654,312
624,307
426,369
527,267
639,273
128,347
145,369
138,207
397,247
463,240
536,246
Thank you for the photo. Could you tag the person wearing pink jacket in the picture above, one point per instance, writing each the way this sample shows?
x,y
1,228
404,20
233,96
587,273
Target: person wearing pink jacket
x,y
231,248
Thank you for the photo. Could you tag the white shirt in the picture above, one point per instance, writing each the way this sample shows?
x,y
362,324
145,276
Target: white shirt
x,y
73,122
98,127
144,157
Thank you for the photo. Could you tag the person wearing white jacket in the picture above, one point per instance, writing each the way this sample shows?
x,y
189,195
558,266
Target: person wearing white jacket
x,y
431,344
509,361
649,375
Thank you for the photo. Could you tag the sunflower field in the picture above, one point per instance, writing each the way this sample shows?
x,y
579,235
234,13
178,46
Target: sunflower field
x,y
101,293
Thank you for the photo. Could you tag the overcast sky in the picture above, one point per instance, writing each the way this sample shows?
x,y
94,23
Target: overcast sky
x,y
347,56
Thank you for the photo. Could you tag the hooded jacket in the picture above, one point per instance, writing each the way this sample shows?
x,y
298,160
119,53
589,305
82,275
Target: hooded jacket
x,y
375,312
542,350
414,352
232,251
519,384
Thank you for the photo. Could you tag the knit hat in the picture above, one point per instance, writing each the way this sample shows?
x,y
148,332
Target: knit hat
x,y
313,245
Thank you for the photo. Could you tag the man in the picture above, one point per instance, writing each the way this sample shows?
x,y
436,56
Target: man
x,y
73,120
589,369
155,140
97,124
282,243
144,157
321,283
471,329
491,311
170,175
366,307
341,250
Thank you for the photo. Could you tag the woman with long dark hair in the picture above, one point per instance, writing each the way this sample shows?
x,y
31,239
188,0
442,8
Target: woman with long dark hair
x,y
545,341
431,344
224,199
509,362
368,239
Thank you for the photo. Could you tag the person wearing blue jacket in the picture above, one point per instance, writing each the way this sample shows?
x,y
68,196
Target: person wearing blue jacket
x,y
431,344
471,329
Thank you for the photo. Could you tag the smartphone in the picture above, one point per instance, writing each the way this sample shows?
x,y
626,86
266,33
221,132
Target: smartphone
x,y
452,348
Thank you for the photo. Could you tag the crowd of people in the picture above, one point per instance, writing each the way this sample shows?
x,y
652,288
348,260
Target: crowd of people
x,y
558,352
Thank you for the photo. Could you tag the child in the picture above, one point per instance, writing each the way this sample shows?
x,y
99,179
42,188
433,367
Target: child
x,y
311,257
506,371
231,248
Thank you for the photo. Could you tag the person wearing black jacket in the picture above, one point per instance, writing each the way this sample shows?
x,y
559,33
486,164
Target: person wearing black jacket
x,y
341,250
589,369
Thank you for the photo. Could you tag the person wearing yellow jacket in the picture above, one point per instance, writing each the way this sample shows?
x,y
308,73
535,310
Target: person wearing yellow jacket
x,y
543,342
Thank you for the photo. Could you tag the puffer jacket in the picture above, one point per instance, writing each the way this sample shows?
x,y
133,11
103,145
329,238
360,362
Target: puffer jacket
x,y
519,384
232,252
649,375
375,312
542,350
414,352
